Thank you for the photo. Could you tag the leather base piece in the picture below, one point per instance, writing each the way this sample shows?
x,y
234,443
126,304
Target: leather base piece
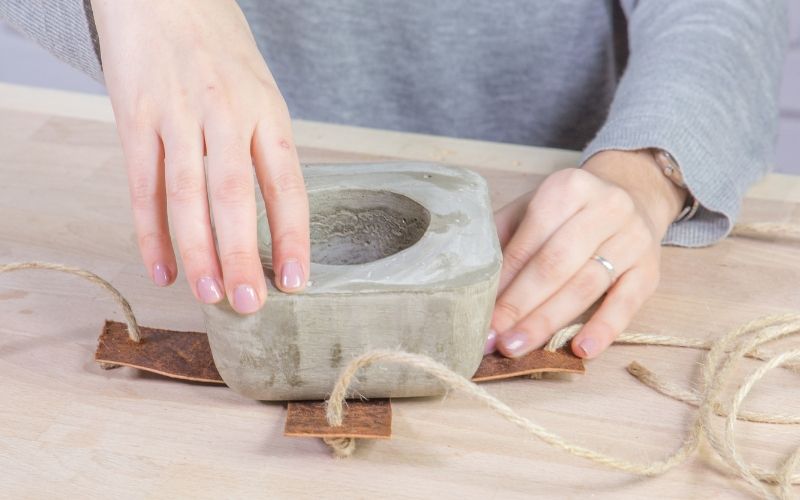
x,y
370,419
187,356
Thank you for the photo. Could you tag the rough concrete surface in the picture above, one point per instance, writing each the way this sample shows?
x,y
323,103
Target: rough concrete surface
x,y
404,255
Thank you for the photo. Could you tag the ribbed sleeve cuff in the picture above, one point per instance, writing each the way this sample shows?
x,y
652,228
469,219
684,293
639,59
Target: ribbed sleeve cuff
x,y
706,176
65,28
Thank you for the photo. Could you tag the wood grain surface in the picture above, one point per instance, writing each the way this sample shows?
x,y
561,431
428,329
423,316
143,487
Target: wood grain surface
x,y
70,429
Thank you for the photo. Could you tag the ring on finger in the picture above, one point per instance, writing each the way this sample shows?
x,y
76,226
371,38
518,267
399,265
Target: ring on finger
x,y
609,267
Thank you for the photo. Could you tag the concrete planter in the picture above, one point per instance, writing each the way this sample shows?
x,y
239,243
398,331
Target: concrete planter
x,y
404,256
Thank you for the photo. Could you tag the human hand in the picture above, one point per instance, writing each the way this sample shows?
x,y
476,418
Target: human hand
x,y
185,77
618,206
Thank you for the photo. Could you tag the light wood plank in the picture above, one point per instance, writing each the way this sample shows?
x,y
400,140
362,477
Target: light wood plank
x,y
70,429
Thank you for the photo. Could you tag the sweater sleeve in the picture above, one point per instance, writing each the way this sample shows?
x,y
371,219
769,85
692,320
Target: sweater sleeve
x,y
65,28
701,82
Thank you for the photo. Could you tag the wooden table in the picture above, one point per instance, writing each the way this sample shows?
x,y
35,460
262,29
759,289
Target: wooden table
x,y
70,429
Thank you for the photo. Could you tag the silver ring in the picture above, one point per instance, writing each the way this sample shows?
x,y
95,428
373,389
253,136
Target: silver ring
x,y
612,273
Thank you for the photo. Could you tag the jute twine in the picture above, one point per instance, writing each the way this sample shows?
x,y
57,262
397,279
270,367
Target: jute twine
x,y
723,356
130,319
761,230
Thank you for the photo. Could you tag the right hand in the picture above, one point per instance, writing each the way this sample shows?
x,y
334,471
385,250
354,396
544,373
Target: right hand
x,y
185,77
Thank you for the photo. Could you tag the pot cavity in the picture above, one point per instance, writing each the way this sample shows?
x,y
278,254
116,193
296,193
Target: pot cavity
x,y
356,226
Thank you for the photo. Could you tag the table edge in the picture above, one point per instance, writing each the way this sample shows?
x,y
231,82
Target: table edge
x,y
359,140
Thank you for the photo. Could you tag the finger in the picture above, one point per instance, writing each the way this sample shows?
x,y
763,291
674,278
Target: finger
x,y
560,196
508,218
553,265
575,297
145,158
187,200
616,312
518,225
281,181
230,182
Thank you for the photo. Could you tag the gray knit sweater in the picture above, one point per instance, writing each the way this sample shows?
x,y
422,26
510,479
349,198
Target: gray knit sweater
x,y
698,78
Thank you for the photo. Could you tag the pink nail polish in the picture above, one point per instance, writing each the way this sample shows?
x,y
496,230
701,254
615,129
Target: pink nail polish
x,y
209,290
588,346
161,275
245,300
491,340
516,344
291,275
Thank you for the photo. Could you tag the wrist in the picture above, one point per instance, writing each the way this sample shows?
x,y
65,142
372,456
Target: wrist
x,y
640,175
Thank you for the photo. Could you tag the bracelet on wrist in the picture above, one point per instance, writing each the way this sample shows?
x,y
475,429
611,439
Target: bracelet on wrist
x,y
670,168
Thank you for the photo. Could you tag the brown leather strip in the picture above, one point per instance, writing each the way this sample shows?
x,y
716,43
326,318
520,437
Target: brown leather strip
x,y
370,419
495,366
187,356
181,355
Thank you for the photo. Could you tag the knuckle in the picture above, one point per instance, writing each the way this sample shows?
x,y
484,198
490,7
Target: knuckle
x,y
602,328
185,186
233,189
238,259
629,304
507,311
229,135
270,93
216,95
291,237
588,285
229,143
549,261
139,152
196,256
177,118
230,127
620,201
139,115
152,240
544,323
285,184
639,238
574,181
515,257
143,192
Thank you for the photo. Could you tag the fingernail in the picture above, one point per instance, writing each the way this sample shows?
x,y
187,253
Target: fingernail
x,y
588,346
291,275
161,275
245,299
515,344
209,290
491,340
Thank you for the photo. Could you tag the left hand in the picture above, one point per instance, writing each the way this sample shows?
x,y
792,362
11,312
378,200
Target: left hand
x,y
618,206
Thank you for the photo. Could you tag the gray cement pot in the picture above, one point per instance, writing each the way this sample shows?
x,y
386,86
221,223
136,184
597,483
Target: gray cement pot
x,y
404,256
